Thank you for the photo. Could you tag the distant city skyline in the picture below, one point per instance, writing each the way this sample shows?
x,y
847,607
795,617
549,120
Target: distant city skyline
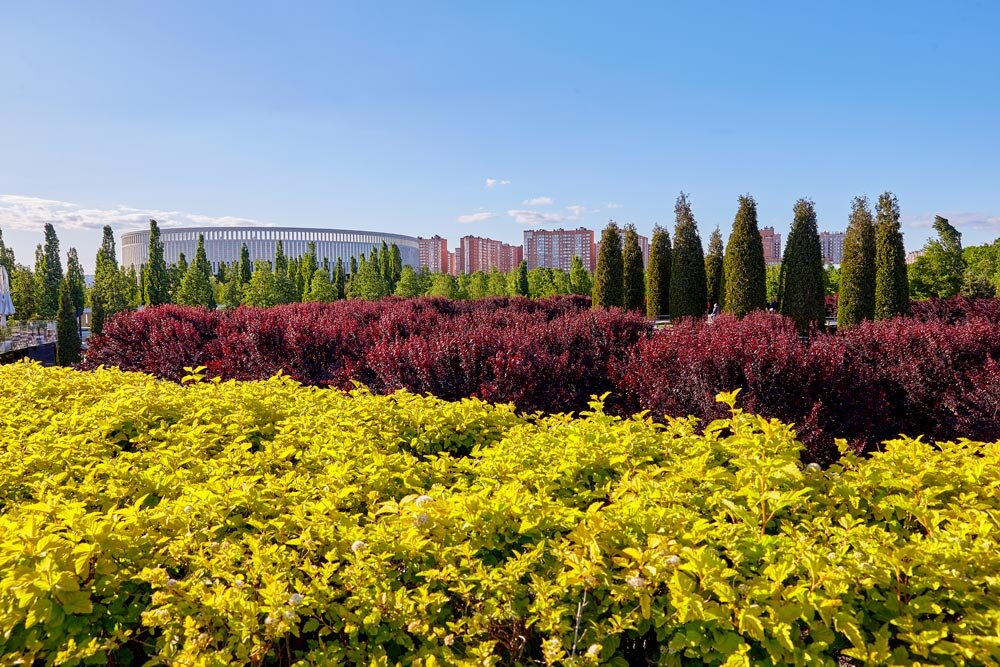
x,y
526,116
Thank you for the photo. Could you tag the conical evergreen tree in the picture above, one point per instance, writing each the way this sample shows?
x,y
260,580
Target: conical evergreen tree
x,y
744,262
609,281
892,289
340,279
155,279
658,274
48,275
713,269
688,290
196,286
633,279
856,301
801,283
67,330
519,280
262,290
408,285
77,282
107,296
308,266
246,266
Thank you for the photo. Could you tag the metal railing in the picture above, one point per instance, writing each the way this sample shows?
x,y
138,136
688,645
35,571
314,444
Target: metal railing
x,y
18,335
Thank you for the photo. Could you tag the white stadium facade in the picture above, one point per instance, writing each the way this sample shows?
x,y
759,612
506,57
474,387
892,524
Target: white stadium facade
x,y
223,244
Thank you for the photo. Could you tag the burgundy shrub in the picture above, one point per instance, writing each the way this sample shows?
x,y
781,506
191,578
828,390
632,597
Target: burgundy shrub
x,y
161,341
955,309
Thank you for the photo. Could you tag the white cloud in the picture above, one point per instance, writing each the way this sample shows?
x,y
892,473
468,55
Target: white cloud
x,y
611,204
32,213
523,217
962,221
476,217
493,182
538,201
575,212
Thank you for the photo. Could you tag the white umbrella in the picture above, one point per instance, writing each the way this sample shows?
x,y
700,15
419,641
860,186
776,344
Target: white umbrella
x,y
6,304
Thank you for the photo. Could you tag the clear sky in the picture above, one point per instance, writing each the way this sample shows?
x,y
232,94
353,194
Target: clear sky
x,y
489,118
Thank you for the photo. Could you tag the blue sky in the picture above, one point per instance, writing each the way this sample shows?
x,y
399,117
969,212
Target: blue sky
x,y
393,116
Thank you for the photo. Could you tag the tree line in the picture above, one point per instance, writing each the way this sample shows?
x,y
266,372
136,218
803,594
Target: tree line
x,y
682,281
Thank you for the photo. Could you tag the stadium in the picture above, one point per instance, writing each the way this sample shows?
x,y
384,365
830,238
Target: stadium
x,y
223,244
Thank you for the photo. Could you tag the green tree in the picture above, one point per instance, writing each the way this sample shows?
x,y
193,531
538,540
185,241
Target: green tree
x,y
262,290
519,280
22,291
940,270
658,274
6,256
395,264
540,283
479,286
409,284
196,286
48,276
857,270
308,266
156,278
688,289
340,280
609,279
801,293
67,328
498,283
714,277
633,274
892,289
177,271
443,285
368,283
579,277
831,280
321,288
109,294
246,266
77,283
287,291
743,266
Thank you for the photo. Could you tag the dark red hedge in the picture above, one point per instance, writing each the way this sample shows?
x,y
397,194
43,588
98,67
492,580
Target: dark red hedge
x,y
934,374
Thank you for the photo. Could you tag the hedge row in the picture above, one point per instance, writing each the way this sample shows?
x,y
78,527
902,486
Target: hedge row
x,y
268,523
934,374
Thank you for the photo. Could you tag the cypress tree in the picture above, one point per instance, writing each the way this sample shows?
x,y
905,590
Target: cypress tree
x,y
156,279
340,279
519,280
658,274
395,264
321,289
714,276
688,289
857,270
67,328
367,283
633,280
308,266
108,294
743,266
408,285
77,282
609,278
246,266
892,289
802,297
48,275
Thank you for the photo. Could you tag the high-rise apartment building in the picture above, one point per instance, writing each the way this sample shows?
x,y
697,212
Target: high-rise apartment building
x,y
772,245
555,248
476,253
434,254
831,244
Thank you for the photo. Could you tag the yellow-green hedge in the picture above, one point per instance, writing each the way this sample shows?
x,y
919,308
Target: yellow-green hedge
x,y
269,523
